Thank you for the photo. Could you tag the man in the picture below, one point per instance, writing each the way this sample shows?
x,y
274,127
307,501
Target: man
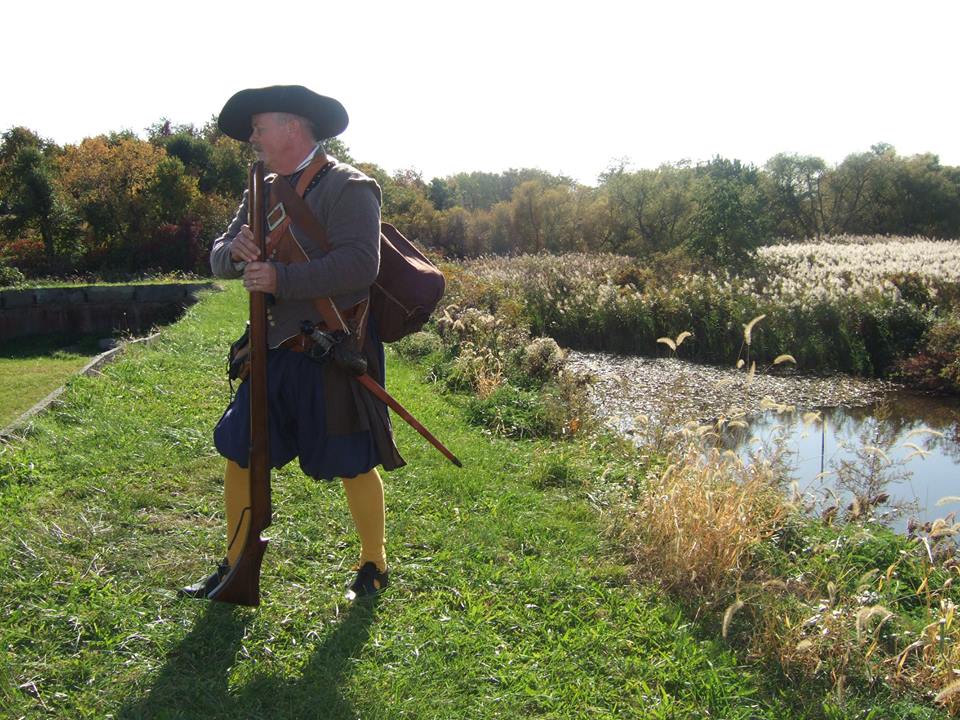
x,y
316,412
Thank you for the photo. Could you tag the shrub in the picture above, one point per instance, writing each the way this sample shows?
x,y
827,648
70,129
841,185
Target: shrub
x,y
477,369
10,276
698,522
559,409
510,411
419,345
27,254
937,366
542,359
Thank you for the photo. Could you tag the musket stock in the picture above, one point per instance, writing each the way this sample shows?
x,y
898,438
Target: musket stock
x,y
242,583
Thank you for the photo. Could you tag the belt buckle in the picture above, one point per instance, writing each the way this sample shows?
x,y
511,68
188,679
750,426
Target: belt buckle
x,y
272,224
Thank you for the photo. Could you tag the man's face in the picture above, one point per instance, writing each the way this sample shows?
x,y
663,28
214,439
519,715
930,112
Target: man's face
x,y
271,138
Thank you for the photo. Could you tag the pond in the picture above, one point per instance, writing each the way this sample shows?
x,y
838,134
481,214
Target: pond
x,y
917,438
917,441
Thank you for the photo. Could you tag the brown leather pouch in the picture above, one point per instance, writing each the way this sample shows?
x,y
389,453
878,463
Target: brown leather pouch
x,y
238,357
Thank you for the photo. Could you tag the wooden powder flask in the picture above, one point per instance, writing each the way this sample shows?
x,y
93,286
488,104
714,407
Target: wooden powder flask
x,y
241,585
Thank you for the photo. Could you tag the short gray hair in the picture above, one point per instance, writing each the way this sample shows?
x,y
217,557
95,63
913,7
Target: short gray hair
x,y
305,123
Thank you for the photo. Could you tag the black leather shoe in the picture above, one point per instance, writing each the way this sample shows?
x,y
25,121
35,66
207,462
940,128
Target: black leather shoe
x,y
370,582
200,590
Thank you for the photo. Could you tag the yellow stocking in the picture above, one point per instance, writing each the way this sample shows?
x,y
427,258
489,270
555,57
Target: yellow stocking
x,y
365,498
236,491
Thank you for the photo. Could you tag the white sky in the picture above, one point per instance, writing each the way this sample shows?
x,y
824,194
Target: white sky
x,y
568,87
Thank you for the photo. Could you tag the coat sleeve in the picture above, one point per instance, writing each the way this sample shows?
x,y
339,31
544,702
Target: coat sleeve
x,y
353,231
221,264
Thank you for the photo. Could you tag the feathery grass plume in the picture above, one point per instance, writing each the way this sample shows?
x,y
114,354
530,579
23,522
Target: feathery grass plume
x,y
768,403
948,500
748,328
784,358
683,336
867,614
923,431
917,450
811,417
948,694
874,450
668,342
728,616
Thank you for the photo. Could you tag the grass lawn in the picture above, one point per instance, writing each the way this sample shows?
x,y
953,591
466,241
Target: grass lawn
x,y
505,599
33,367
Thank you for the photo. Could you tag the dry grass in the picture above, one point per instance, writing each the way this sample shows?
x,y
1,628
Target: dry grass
x,y
696,524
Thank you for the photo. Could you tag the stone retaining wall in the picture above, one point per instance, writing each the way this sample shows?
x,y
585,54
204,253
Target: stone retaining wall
x,y
124,309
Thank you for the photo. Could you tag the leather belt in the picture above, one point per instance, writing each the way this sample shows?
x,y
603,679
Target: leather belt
x,y
302,343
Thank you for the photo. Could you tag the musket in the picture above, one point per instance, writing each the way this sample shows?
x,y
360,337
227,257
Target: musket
x,y
242,583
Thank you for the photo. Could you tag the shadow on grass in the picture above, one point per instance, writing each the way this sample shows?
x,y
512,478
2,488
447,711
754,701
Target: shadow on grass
x,y
45,346
194,681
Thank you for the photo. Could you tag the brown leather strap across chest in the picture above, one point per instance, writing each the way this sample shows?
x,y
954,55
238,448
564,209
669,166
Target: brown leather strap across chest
x,y
289,206
282,246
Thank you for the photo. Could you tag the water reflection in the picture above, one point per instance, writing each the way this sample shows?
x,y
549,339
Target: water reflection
x,y
917,447
667,392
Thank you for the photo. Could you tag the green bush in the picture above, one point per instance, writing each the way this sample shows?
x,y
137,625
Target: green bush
x,y
937,366
419,345
11,276
511,412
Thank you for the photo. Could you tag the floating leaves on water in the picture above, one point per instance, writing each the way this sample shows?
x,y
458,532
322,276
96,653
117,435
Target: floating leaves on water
x,y
748,328
668,390
784,358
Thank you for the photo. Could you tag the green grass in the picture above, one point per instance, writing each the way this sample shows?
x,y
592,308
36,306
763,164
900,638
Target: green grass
x,y
33,367
505,599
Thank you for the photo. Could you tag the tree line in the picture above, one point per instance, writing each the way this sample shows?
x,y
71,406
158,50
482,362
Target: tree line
x,y
117,203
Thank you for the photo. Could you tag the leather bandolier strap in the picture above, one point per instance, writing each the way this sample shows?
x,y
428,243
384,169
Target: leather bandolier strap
x,y
291,207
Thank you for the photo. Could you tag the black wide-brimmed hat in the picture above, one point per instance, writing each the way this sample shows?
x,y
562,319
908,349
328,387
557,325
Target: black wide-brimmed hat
x,y
328,116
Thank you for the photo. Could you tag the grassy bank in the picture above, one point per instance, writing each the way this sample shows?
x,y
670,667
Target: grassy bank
x,y
506,599
31,368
